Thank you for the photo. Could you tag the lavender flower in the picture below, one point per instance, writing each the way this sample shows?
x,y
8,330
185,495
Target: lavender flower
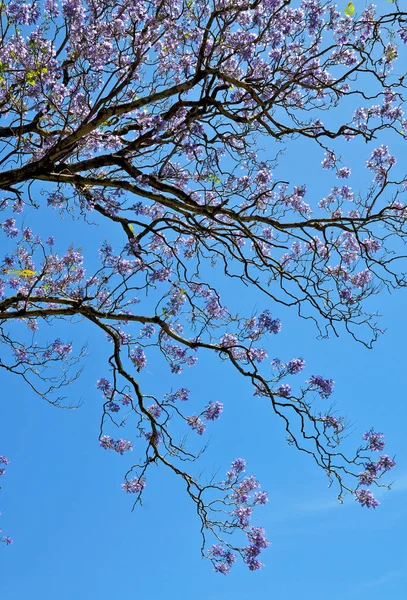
x,y
324,387
366,498
213,411
376,441
134,486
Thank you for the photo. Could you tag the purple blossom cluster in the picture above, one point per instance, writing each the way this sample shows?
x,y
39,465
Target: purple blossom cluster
x,y
138,358
196,424
264,323
181,394
121,446
324,387
373,470
366,498
284,390
332,422
212,412
380,163
244,500
258,542
376,441
134,486
295,366
223,559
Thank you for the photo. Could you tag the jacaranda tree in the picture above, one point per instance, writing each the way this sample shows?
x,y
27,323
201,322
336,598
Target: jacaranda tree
x,y
162,122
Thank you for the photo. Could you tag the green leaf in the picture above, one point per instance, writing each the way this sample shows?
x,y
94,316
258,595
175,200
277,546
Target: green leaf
x,y
350,9
214,178
23,272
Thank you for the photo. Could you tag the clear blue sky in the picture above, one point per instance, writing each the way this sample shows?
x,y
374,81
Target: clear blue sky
x,y
75,536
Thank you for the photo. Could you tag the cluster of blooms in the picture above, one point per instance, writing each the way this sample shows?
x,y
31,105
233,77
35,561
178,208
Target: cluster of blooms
x,y
138,357
121,446
59,348
55,275
178,356
223,558
240,353
373,470
330,161
134,486
4,461
380,163
211,412
323,386
336,424
263,324
111,396
181,394
242,488
213,308
293,367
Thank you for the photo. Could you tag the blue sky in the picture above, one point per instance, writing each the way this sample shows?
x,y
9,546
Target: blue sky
x,y
76,537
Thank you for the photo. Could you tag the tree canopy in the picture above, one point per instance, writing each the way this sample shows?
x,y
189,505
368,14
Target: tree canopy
x,y
163,122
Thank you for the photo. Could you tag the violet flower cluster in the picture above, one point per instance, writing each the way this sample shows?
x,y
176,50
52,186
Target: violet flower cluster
x,y
245,499
373,470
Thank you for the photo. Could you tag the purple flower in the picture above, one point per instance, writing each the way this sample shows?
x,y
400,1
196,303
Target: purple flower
x,y
154,410
7,540
257,538
385,463
336,424
196,424
181,394
221,567
295,366
104,385
266,323
257,543
324,387
241,493
284,390
260,498
243,514
359,280
329,161
138,358
343,173
213,411
147,331
376,441
225,556
238,465
121,446
134,486
367,477
228,340
366,498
